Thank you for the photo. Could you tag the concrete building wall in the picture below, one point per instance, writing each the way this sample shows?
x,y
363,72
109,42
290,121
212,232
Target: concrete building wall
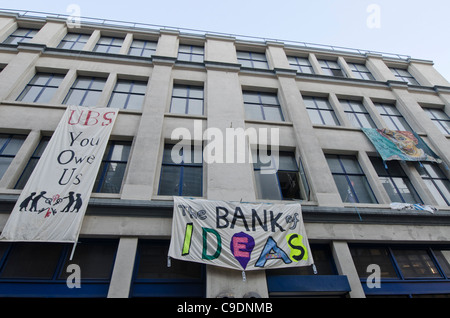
x,y
224,80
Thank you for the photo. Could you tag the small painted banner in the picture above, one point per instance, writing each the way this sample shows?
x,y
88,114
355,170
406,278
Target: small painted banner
x,y
238,235
52,204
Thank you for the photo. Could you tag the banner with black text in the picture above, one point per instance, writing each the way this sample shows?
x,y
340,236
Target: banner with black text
x,y
52,204
240,236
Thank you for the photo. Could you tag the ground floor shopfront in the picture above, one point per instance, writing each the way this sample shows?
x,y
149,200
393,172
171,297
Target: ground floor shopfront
x,y
123,249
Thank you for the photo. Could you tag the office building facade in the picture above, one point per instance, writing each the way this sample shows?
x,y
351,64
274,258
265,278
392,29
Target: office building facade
x,y
317,98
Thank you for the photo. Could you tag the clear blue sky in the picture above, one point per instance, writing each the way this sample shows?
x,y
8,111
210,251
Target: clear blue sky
x,y
410,27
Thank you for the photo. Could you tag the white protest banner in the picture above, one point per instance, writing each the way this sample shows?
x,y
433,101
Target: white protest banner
x,y
52,204
238,235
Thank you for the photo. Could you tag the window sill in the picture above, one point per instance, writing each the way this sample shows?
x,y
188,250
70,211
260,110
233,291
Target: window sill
x,y
268,122
188,116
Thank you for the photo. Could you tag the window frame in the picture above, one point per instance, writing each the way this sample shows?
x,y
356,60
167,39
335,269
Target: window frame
x,y
23,38
319,111
165,287
188,53
294,170
407,78
421,167
109,47
56,286
401,285
386,115
251,60
356,114
182,165
187,98
129,93
78,41
32,161
300,63
331,68
144,49
106,162
349,183
438,121
361,71
89,89
43,87
9,138
391,174
263,105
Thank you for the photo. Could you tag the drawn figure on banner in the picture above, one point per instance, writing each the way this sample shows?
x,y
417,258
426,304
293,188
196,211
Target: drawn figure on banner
x,y
35,201
78,203
71,201
27,201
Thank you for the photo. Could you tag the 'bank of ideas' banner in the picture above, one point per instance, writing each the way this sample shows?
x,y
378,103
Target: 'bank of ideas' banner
x,y
52,204
239,235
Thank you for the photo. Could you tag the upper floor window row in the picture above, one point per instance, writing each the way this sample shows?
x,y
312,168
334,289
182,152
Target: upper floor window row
x,y
85,91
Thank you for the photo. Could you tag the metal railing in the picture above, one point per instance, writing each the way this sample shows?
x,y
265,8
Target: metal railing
x,y
156,27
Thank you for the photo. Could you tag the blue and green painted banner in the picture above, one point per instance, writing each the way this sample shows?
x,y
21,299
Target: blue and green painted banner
x,y
400,145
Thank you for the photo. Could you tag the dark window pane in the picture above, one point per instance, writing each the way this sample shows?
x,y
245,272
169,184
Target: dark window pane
x,y
95,259
363,257
289,184
192,181
416,264
170,180
32,261
152,263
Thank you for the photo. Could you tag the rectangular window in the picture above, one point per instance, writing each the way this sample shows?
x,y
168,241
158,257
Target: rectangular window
x,y
350,179
181,171
108,44
74,41
278,184
187,100
357,114
415,263
262,106
86,91
361,71
252,60
320,111
331,68
395,181
32,162
301,64
112,170
9,146
404,76
190,53
40,269
408,271
128,95
440,119
21,35
41,88
142,48
392,117
153,278
365,256
436,181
